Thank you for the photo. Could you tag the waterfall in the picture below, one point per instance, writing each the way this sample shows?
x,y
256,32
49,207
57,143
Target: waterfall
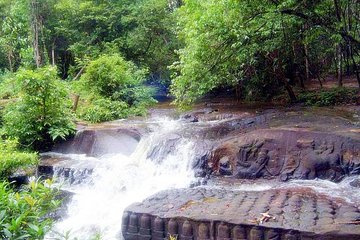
x,y
105,184
118,180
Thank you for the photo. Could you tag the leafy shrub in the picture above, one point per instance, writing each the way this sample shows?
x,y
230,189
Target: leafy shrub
x,y
42,114
8,86
112,88
104,109
23,214
11,159
111,75
329,97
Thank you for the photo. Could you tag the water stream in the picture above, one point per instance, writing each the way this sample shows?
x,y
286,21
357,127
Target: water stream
x,y
119,180
162,160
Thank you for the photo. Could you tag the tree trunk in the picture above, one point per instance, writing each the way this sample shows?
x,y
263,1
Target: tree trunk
x,y
290,91
347,59
355,66
76,102
53,54
35,25
307,68
306,53
295,68
339,65
319,79
79,73
10,56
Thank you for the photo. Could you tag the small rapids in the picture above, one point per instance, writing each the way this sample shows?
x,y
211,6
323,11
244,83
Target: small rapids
x,y
163,159
118,180
342,190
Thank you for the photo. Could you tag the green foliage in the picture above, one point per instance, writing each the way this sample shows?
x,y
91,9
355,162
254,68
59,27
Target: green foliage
x,y
227,43
172,237
41,114
111,76
8,86
329,97
151,39
11,159
113,88
14,31
104,109
260,47
141,30
23,214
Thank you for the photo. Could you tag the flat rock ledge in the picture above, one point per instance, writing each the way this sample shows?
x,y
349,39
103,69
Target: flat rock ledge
x,y
275,214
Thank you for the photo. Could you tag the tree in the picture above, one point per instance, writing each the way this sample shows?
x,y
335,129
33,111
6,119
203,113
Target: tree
x,y
113,88
338,20
230,43
14,32
261,47
42,114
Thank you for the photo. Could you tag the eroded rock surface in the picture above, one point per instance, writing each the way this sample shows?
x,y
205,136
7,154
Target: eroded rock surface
x,y
203,213
60,166
99,141
272,145
287,154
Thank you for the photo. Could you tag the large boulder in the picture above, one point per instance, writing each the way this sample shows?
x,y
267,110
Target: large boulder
x,y
99,141
204,213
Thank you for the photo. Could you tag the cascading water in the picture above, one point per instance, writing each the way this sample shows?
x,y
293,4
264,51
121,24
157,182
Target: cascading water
x,y
118,180
163,159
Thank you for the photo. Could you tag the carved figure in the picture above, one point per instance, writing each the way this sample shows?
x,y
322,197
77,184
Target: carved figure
x,y
312,161
255,167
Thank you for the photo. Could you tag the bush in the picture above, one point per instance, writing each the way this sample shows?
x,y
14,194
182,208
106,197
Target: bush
x,y
11,159
23,214
112,88
104,109
41,115
8,86
329,97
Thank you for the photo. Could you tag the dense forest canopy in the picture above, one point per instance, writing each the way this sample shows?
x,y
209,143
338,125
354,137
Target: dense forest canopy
x,y
257,47
261,47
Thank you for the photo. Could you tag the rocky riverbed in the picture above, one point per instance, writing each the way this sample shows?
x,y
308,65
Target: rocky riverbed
x,y
276,145
261,172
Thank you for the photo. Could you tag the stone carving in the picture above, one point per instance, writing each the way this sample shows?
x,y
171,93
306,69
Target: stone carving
x,y
253,159
301,158
187,231
296,214
311,161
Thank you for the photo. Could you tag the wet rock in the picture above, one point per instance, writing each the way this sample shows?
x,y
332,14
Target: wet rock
x,y
64,168
101,140
199,173
190,118
164,147
203,213
21,176
225,166
355,183
286,154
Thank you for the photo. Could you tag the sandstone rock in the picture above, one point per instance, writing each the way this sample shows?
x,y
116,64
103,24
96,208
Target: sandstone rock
x,y
204,213
286,154
99,141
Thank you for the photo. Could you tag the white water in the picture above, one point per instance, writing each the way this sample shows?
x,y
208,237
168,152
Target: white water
x,y
119,180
